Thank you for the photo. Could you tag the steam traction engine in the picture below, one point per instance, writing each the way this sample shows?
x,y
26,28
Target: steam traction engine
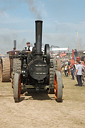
x,y
6,62
36,70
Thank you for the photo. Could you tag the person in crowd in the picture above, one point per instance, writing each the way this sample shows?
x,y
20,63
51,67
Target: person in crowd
x,y
66,70
69,67
72,68
75,54
79,69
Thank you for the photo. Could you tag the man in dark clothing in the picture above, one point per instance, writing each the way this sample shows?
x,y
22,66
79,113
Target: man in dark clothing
x,y
28,46
72,68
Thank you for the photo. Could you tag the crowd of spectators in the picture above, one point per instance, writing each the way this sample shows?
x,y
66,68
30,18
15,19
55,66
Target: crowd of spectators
x,y
75,70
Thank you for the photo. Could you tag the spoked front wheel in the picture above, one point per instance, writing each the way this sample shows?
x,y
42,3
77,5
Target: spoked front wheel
x,y
58,86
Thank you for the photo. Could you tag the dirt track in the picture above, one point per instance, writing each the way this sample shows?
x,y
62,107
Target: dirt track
x,y
41,110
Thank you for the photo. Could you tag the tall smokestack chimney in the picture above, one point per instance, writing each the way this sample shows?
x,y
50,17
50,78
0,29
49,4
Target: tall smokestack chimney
x,y
38,29
14,44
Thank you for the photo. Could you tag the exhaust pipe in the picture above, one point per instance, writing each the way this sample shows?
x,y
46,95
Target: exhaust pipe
x,y
14,45
38,29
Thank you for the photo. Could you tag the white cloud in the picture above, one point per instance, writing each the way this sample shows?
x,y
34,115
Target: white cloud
x,y
70,27
58,33
5,31
63,40
3,14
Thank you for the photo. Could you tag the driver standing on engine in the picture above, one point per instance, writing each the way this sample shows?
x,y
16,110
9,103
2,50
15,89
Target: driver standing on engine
x,y
28,51
28,46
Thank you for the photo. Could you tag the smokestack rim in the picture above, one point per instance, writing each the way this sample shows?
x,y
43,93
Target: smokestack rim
x,y
38,21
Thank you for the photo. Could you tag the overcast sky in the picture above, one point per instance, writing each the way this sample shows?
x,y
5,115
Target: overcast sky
x,y
61,21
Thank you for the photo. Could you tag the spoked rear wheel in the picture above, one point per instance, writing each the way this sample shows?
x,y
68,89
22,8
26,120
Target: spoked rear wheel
x,y
58,86
5,69
17,87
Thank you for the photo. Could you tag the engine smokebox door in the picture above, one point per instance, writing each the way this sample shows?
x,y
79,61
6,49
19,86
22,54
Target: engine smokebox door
x,y
38,69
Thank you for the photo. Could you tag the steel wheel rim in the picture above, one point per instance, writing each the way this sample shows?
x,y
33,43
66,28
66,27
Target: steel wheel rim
x,y
55,83
19,86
